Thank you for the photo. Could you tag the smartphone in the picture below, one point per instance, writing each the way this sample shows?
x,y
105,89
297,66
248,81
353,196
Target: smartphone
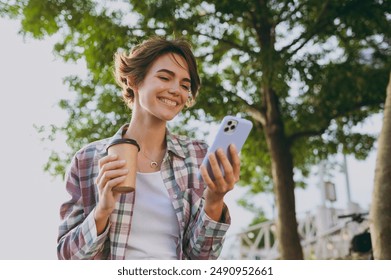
x,y
232,130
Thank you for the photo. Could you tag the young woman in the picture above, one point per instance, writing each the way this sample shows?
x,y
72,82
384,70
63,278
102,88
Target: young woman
x,y
171,214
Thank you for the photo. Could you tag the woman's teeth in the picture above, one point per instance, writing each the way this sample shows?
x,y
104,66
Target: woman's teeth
x,y
168,102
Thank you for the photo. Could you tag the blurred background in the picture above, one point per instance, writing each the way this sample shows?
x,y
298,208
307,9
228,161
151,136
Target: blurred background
x,y
31,86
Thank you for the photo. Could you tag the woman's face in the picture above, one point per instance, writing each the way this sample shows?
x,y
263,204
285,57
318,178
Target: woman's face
x,y
166,87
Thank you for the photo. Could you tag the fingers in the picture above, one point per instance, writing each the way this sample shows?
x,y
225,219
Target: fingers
x,y
107,159
112,183
215,166
231,167
228,169
110,176
110,168
235,162
224,180
205,176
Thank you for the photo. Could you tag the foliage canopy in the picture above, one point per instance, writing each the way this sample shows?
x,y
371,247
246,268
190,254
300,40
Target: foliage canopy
x,y
328,68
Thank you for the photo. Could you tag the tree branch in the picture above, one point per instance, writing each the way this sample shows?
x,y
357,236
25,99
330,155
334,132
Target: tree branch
x,y
315,132
288,15
308,34
225,41
284,9
307,133
205,55
256,27
265,27
255,113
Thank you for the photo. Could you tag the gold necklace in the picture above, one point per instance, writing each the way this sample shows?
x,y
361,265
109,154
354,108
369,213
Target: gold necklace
x,y
153,164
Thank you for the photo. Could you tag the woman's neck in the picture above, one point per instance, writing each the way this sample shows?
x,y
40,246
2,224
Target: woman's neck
x,y
150,134
151,138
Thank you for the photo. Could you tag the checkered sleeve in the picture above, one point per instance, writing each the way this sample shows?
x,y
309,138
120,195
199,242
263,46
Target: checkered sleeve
x,y
205,236
77,237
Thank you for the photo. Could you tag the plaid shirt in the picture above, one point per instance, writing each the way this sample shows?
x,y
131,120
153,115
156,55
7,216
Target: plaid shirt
x,y
199,238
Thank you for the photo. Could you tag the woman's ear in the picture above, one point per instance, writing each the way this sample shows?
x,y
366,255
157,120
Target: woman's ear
x,y
130,82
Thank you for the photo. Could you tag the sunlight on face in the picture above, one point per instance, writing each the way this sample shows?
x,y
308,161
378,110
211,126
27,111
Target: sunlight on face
x,y
166,87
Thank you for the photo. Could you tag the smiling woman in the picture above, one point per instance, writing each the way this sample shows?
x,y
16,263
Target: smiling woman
x,y
136,65
35,202
171,214
167,81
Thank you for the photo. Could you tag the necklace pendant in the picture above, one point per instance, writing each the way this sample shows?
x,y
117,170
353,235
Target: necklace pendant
x,y
153,164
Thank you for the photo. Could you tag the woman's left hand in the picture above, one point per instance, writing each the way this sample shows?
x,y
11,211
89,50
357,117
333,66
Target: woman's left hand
x,y
217,188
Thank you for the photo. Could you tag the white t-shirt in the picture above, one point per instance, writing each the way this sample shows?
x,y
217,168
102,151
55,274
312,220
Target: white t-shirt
x,y
154,229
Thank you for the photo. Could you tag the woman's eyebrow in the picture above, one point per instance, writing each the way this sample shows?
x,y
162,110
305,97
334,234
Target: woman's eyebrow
x,y
171,73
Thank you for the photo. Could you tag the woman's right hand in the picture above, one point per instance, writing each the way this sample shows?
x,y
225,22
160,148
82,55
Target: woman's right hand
x,y
111,173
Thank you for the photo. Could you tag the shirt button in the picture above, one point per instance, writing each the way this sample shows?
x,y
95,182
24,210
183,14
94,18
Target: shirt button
x,y
175,196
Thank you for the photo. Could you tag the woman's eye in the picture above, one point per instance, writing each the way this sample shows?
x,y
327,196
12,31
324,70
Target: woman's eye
x,y
185,87
163,78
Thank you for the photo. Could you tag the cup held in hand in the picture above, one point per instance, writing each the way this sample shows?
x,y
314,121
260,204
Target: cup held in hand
x,y
126,149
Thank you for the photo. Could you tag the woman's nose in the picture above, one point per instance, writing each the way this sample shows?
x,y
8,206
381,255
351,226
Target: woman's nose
x,y
174,89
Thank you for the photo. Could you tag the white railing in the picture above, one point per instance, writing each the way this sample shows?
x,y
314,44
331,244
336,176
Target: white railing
x,y
318,241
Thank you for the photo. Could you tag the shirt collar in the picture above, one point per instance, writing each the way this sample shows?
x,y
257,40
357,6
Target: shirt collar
x,y
173,144
117,135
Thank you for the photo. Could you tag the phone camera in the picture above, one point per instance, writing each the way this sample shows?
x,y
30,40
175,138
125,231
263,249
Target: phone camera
x,y
230,126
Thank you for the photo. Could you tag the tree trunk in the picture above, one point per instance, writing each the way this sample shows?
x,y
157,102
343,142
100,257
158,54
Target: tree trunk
x,y
381,198
279,148
282,172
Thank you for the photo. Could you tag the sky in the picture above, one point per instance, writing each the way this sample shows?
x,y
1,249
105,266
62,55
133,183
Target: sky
x,y
30,87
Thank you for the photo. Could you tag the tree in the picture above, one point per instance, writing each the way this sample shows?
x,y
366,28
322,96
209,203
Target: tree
x,y
304,71
381,207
